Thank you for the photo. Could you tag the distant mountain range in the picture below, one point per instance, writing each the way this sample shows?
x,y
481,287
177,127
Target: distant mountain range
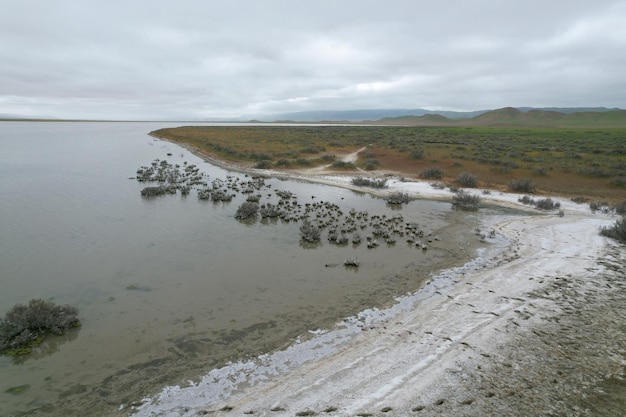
x,y
508,116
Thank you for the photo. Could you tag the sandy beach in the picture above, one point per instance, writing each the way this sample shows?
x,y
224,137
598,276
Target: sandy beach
x,y
532,326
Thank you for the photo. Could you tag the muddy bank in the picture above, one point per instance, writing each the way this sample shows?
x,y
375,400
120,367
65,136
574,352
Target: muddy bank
x,y
535,325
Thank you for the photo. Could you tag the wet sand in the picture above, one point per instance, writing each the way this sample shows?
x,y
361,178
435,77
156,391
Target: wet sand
x,y
532,326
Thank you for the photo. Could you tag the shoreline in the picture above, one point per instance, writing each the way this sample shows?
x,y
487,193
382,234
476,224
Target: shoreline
x,y
443,349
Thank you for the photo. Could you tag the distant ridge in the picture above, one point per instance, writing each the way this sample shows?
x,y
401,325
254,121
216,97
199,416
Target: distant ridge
x,y
510,116
516,115
360,115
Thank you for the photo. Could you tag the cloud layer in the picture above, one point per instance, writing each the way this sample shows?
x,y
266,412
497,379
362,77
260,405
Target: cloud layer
x,y
207,59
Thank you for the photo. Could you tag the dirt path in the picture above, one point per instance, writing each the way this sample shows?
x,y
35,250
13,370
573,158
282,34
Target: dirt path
x,y
349,158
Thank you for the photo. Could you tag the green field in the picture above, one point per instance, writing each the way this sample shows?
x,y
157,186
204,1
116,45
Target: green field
x,y
588,162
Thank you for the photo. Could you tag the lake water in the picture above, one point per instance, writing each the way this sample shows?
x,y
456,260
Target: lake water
x,y
171,287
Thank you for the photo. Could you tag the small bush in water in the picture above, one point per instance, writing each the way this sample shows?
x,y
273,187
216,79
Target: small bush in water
x,y
25,326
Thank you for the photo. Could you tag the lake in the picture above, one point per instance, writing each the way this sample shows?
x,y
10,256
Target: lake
x,y
172,286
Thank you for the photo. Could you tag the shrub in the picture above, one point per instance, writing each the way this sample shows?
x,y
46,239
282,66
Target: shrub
x,y
26,326
621,208
283,163
367,182
343,165
465,201
599,205
522,185
618,181
309,231
246,210
467,180
264,164
417,154
431,174
547,204
398,198
270,211
616,231
527,200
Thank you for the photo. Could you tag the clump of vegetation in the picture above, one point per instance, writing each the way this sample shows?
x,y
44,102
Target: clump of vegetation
x,y
467,180
547,204
432,174
599,205
617,231
270,211
264,164
343,165
26,326
398,198
369,182
371,164
465,201
309,232
522,185
246,210
543,204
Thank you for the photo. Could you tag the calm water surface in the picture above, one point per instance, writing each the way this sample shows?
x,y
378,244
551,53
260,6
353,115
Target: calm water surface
x,y
170,287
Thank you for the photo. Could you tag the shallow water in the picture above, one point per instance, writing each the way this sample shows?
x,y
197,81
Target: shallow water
x,y
170,287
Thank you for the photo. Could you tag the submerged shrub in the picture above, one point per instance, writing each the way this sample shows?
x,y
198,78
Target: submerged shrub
x,y
616,231
26,326
309,232
467,180
246,210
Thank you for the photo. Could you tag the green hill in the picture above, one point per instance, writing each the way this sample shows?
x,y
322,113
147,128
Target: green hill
x,y
509,116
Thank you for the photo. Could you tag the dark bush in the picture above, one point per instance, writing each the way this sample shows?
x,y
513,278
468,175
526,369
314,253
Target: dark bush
x,y
547,204
465,201
616,231
467,180
264,164
270,211
283,163
398,198
431,174
25,326
343,165
417,154
309,231
368,182
522,185
246,210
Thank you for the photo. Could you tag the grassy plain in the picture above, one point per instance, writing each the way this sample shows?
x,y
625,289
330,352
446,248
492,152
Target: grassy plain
x,y
587,162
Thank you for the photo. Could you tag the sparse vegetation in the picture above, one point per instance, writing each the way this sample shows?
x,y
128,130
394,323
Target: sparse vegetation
x,y
574,161
25,326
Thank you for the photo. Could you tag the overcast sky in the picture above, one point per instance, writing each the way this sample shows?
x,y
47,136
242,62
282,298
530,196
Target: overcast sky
x,y
153,59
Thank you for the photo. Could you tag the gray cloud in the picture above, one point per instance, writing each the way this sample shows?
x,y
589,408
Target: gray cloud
x,y
202,59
